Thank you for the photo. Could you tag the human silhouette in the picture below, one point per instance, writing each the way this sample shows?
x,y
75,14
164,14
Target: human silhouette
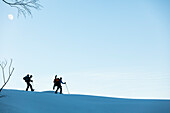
x,y
58,82
27,79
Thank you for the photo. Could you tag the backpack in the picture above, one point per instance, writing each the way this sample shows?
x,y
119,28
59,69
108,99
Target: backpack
x,y
26,78
56,81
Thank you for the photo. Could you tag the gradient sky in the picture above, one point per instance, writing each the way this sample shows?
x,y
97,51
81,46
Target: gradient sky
x,y
117,48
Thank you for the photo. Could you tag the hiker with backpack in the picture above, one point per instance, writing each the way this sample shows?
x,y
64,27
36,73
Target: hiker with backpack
x,y
27,79
55,81
58,82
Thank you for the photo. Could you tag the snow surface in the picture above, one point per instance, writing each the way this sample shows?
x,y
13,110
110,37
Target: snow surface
x,y
17,101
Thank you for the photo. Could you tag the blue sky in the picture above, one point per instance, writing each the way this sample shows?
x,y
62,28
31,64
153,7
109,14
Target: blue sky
x,y
109,48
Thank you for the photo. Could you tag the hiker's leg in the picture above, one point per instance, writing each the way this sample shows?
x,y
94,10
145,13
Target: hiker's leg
x,y
60,89
31,87
27,86
57,89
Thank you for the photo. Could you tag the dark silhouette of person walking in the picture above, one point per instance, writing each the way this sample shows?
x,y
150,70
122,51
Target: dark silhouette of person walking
x,y
58,82
27,79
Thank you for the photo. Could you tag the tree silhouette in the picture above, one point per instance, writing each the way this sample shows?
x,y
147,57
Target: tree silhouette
x,y
24,6
3,66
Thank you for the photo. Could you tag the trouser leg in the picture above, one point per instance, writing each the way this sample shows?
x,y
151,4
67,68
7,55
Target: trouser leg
x,y
57,89
60,89
31,87
27,86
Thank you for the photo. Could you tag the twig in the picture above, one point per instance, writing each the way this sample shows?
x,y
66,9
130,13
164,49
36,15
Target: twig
x,y
10,74
24,6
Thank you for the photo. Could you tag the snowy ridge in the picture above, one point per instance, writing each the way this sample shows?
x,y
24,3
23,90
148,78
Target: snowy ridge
x,y
17,101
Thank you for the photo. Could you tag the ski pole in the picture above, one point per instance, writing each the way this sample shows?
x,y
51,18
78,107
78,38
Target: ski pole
x,y
67,89
32,85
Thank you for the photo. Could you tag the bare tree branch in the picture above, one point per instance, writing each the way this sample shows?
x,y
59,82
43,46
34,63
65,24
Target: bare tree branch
x,y
3,65
10,73
24,6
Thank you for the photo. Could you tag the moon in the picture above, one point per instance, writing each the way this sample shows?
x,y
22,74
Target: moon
x,y
10,17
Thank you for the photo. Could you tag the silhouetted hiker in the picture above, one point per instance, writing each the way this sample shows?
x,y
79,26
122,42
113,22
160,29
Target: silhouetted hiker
x,y
57,83
28,80
56,80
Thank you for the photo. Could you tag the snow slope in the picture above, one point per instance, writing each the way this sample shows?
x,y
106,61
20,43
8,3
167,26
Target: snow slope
x,y
16,101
